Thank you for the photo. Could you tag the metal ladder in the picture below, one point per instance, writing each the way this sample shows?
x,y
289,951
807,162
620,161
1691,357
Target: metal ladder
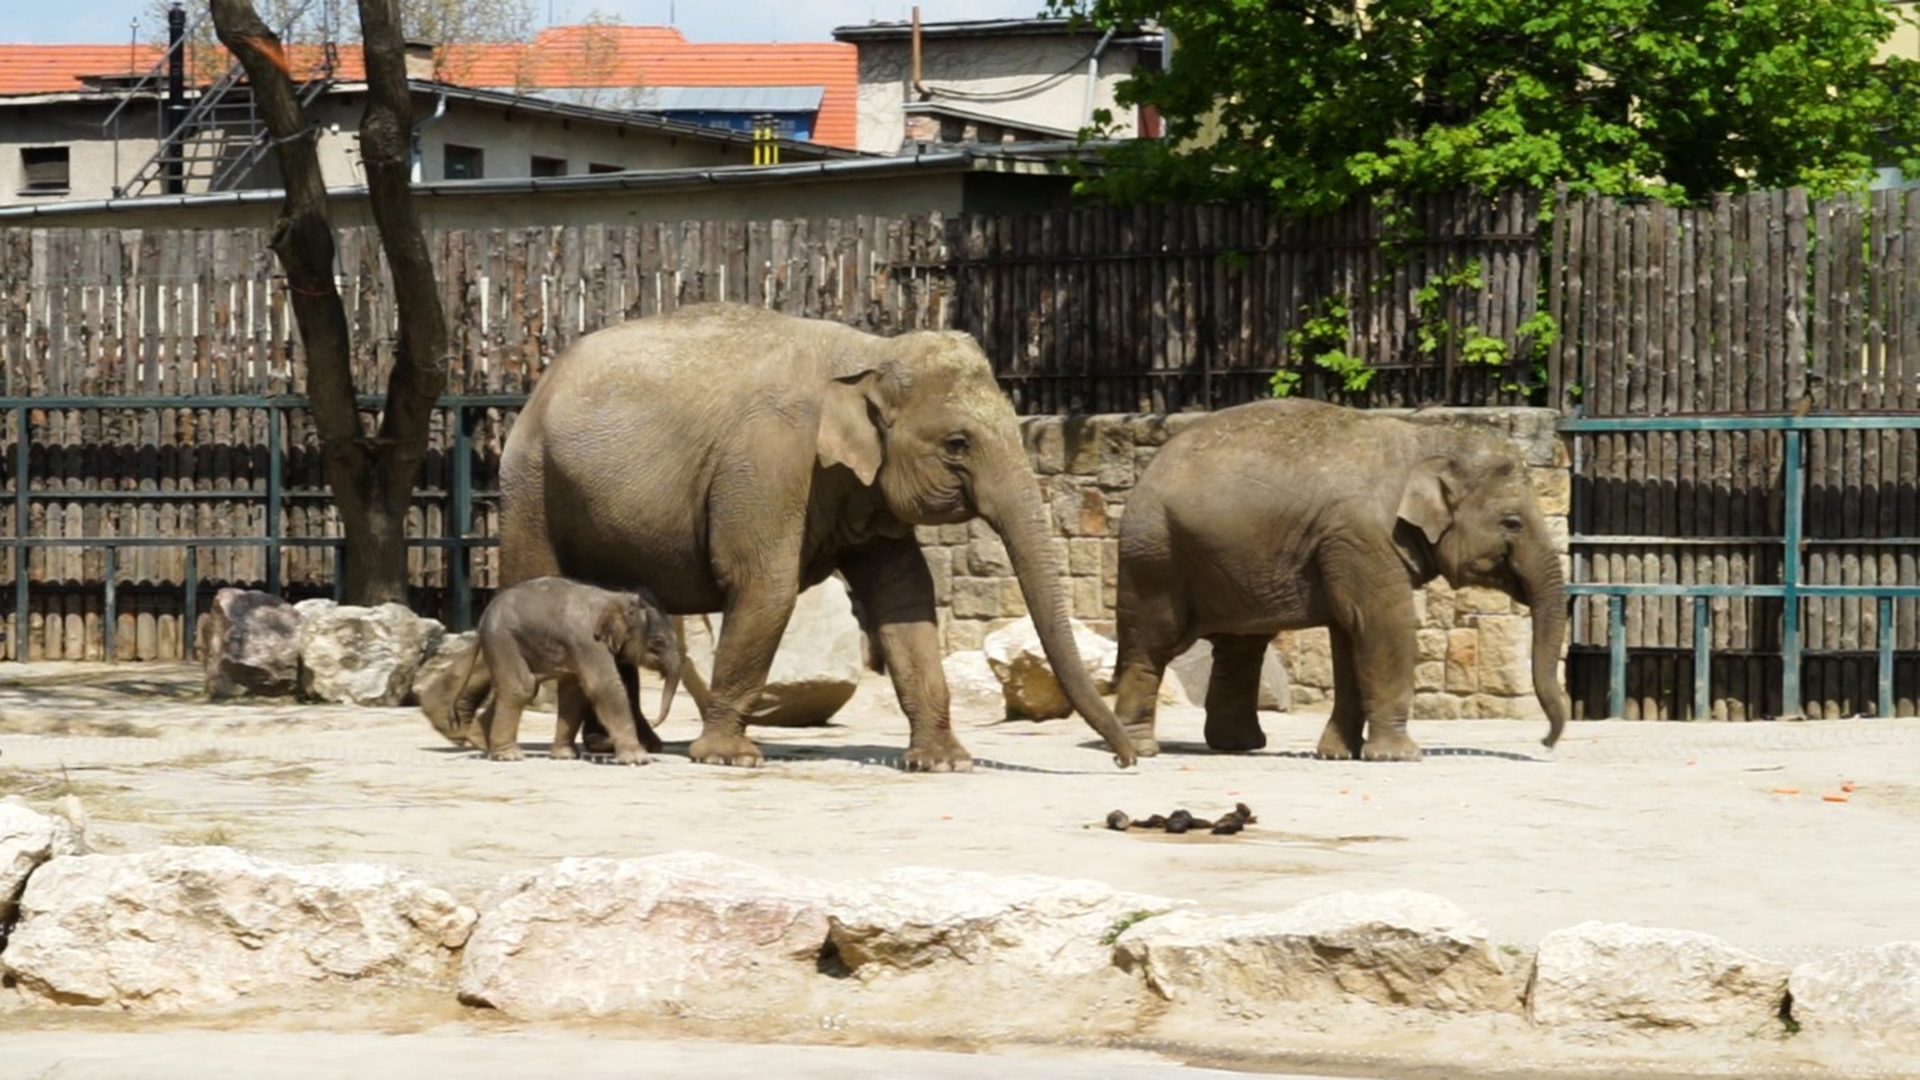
x,y
222,137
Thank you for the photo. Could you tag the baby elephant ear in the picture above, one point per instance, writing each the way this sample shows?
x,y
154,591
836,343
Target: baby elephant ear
x,y
1427,500
610,629
849,434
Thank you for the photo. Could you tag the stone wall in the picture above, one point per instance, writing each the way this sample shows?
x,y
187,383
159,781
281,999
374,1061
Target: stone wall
x,y
1474,643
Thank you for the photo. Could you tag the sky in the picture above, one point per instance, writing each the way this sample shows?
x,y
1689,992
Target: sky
x,y
701,20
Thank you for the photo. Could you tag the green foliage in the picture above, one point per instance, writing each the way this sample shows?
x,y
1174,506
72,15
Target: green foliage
x,y
1321,337
1128,922
1670,98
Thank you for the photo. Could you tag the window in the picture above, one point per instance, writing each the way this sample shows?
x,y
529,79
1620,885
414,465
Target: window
x,y
464,163
549,166
44,169
603,167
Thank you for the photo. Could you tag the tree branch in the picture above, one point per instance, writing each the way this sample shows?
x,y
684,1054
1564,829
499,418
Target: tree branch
x,y
303,240
420,366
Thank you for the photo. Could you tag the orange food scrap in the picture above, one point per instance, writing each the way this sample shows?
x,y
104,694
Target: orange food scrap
x,y
1848,786
1343,791
1834,798
1786,791
946,817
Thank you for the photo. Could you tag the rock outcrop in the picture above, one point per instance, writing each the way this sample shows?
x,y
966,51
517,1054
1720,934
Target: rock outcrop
x,y
1643,977
1871,994
360,655
599,937
249,646
187,927
1391,948
1031,690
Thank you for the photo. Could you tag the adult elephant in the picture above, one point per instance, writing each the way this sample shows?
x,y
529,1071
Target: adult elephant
x,y
1282,515
726,457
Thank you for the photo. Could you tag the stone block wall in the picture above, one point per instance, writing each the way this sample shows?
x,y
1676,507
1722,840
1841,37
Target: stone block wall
x,y
1474,643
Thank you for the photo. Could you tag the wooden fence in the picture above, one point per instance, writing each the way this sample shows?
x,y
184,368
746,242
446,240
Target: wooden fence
x,y
1768,303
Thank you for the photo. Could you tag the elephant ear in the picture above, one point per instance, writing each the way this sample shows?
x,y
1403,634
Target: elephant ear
x,y
1428,499
848,433
611,628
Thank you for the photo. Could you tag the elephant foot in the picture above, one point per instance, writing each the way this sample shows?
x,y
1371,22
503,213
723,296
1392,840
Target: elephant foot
x,y
1393,747
951,757
1144,744
1238,737
562,752
736,750
1333,745
509,753
636,756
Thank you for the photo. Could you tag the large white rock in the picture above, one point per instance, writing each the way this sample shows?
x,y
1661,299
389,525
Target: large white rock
x,y
28,839
1644,977
1863,993
1389,948
1192,669
249,646
360,655
597,937
973,690
182,928
817,667
1032,690
1028,925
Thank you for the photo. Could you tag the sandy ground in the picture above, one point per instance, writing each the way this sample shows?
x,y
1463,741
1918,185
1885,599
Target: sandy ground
x,y
1676,825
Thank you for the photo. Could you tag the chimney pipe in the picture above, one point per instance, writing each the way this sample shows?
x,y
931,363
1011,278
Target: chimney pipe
x,y
918,87
176,97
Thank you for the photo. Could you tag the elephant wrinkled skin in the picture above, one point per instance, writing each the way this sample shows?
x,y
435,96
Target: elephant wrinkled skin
x,y
1282,515
725,457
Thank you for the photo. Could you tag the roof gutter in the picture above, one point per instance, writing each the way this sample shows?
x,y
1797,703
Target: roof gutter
x,y
1093,76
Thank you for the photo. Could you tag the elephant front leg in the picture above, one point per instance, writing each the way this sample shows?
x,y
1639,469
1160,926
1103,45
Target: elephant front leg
x,y
1383,670
890,580
741,659
1342,739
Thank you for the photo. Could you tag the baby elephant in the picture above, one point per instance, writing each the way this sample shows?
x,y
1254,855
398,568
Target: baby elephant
x,y
550,627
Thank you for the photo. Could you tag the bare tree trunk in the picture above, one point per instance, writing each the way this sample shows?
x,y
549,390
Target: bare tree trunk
x,y
371,477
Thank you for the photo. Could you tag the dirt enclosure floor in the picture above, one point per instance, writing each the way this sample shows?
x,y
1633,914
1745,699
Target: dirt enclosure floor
x,y
1670,825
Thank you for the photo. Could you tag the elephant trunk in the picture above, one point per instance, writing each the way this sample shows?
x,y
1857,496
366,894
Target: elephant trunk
x,y
1544,586
1011,504
669,682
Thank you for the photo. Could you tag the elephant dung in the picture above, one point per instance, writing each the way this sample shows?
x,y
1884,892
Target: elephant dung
x,y
600,937
1026,678
1613,973
188,927
1020,926
249,646
360,655
1871,993
1390,948
817,666
1194,667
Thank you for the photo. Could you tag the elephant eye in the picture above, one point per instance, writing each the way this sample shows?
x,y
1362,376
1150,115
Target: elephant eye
x,y
957,445
1512,523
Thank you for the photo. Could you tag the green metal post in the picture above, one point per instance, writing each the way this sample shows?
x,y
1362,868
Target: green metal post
x,y
273,499
22,515
459,553
1796,485
111,614
1886,657
193,601
1616,657
1702,659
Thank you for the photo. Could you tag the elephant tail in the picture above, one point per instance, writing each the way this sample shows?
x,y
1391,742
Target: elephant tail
x,y
474,687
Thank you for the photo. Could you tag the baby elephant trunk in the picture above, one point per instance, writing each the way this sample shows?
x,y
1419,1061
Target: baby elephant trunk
x,y
670,676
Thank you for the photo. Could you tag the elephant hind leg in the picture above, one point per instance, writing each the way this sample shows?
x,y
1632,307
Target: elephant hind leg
x,y
1233,693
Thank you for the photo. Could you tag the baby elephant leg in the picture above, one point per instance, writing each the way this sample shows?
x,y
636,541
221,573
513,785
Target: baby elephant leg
x,y
630,680
603,688
570,714
513,687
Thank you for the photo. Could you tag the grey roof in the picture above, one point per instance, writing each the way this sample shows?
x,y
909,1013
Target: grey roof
x,y
729,98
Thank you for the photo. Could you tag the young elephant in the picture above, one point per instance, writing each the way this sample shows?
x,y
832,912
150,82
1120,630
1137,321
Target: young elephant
x,y
550,627
1281,515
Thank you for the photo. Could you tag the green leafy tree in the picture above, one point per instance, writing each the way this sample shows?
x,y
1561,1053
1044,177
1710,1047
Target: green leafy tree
x,y
1311,102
